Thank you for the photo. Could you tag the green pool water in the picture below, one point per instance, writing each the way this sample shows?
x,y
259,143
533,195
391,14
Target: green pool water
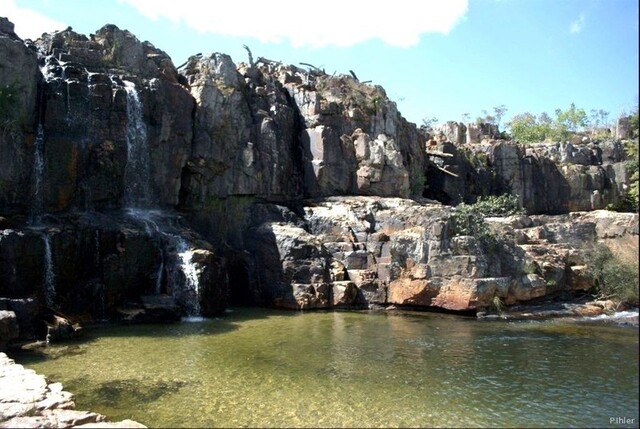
x,y
256,367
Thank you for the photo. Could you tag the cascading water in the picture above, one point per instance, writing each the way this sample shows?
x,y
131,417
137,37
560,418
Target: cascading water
x,y
139,201
159,274
37,205
191,275
49,273
138,169
66,82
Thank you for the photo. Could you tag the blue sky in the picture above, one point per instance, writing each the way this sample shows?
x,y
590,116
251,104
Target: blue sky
x,y
434,58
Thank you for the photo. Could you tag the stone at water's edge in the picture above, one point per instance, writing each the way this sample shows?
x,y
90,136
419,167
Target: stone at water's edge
x,y
366,251
8,328
27,399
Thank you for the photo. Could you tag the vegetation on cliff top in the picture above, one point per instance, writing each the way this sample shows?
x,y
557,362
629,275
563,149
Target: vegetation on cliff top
x,y
529,128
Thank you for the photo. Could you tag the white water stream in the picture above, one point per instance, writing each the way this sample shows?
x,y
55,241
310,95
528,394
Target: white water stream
x,y
49,273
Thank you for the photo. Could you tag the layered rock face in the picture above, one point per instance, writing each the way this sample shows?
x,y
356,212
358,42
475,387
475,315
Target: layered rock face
x,y
550,178
19,85
364,251
96,125
124,181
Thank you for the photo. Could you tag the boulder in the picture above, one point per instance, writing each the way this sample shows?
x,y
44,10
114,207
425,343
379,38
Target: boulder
x,y
623,128
28,400
9,330
60,329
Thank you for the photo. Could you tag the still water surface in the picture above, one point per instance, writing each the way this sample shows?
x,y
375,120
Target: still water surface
x,y
257,367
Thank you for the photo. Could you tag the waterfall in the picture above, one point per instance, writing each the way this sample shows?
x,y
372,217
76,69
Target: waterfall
x,y
189,270
159,274
37,204
137,174
97,247
66,81
49,274
139,201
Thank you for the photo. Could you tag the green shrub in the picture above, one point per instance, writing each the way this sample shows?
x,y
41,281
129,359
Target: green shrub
x,y
613,280
469,219
498,205
631,148
497,306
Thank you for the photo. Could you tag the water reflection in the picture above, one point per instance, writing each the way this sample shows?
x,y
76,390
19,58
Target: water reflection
x,y
280,369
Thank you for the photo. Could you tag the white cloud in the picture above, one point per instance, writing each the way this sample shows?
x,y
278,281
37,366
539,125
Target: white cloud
x,y
330,22
577,25
29,23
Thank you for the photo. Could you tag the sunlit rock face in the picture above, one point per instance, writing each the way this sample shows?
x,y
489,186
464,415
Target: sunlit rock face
x,y
86,115
401,252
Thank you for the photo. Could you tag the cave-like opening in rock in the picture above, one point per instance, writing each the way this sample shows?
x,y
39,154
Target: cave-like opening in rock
x,y
241,292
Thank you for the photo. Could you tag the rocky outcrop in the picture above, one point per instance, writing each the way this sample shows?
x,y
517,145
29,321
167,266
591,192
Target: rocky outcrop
x,y
18,94
355,142
105,123
392,251
9,330
623,128
87,119
95,266
550,178
27,399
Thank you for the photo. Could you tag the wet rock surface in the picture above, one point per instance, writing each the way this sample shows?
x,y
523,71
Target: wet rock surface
x,y
27,399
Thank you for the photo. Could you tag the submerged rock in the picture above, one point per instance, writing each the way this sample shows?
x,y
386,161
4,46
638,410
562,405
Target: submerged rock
x,y
28,400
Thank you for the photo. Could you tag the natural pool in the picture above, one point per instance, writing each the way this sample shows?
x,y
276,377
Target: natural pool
x,y
257,367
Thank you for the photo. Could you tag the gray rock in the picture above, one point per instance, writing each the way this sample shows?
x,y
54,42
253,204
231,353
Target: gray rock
x,y
9,330
26,400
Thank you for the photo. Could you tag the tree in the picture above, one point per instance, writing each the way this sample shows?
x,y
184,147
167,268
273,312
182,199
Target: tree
x,y
572,119
525,127
486,118
599,118
498,113
429,122
466,117
631,149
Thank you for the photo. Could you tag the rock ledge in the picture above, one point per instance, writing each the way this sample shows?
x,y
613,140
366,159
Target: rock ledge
x,y
28,400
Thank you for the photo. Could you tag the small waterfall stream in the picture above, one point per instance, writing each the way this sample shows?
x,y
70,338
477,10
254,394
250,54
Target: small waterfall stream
x,y
137,173
37,172
49,273
190,273
139,201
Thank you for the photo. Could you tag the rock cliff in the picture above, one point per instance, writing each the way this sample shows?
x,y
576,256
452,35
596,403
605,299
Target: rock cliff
x,y
133,190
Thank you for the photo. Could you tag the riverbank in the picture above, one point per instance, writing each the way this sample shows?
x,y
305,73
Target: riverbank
x,y
605,311
28,400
